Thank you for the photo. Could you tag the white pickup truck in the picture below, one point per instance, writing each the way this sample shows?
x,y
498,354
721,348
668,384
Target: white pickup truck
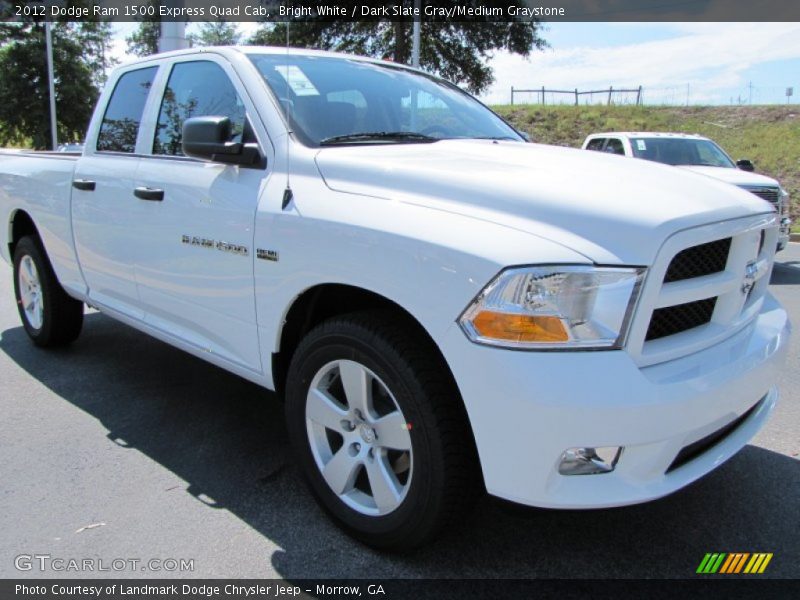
x,y
701,155
444,307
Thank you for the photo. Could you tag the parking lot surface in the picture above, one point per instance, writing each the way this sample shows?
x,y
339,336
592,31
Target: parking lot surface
x,y
122,447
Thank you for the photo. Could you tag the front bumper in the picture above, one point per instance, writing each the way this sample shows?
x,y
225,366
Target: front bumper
x,y
526,408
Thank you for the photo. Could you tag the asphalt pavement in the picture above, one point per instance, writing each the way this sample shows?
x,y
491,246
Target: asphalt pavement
x,y
122,448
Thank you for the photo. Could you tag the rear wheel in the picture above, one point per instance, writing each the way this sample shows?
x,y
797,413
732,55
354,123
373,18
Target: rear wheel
x,y
50,316
379,430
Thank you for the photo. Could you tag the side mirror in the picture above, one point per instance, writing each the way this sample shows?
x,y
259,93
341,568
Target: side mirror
x,y
208,138
745,164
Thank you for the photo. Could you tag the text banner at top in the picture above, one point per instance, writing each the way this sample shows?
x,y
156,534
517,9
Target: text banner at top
x,y
404,10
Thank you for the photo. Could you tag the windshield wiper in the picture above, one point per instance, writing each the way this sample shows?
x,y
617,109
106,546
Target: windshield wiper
x,y
491,137
378,136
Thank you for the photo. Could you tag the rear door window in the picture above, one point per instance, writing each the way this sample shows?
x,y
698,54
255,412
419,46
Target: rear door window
x,y
123,114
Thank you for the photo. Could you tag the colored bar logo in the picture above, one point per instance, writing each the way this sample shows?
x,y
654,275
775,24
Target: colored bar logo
x,y
734,562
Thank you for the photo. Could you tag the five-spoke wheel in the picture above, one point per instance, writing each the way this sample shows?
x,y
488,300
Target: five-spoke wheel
x,y
359,437
379,429
50,316
30,291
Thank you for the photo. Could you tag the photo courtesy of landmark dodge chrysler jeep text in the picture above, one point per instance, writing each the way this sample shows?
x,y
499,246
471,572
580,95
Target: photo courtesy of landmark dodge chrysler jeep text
x,y
444,307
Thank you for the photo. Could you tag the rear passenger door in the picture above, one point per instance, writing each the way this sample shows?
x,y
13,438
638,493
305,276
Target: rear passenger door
x,y
194,251
102,194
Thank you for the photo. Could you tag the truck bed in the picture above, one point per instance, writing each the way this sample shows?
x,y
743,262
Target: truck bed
x,y
40,184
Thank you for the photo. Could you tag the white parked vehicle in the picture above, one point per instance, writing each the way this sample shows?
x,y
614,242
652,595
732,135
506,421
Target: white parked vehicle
x,y
701,155
444,306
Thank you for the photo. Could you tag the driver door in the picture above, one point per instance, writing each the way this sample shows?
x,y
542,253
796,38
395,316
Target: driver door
x,y
194,263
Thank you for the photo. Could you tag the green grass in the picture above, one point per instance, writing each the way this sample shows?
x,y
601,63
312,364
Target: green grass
x,y
767,135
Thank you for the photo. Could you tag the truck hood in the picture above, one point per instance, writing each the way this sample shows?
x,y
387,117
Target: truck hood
x,y
734,176
610,209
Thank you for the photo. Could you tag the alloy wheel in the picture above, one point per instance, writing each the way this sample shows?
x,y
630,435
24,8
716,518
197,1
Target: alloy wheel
x,y
359,437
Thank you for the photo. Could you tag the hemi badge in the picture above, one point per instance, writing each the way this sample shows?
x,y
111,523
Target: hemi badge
x,y
267,254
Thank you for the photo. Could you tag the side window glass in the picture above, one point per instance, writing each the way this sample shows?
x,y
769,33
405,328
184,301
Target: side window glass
x,y
615,146
595,144
196,89
123,114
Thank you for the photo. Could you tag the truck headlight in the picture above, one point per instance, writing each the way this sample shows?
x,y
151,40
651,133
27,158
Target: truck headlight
x,y
555,308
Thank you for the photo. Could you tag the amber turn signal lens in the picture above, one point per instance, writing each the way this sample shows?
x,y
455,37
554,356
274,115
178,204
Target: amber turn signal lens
x,y
519,328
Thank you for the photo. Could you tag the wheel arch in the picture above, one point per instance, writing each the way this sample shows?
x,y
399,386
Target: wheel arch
x,y
20,224
326,300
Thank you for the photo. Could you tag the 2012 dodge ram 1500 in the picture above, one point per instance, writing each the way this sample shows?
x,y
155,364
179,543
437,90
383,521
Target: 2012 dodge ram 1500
x,y
701,155
444,306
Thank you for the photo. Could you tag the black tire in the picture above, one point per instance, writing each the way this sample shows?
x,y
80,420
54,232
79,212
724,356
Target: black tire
x,y
62,315
445,478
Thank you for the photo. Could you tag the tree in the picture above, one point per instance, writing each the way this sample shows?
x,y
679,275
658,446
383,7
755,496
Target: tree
x,y
454,50
94,38
80,63
216,33
144,40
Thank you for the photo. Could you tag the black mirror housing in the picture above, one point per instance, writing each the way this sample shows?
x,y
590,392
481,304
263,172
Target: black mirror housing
x,y
745,164
205,136
208,138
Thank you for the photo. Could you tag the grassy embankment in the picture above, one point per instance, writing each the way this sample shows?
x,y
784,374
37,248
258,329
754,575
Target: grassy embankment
x,y
767,135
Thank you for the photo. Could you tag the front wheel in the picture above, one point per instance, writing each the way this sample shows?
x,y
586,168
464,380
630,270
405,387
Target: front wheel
x,y
50,316
379,431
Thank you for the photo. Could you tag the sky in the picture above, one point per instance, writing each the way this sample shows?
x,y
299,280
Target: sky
x,y
676,63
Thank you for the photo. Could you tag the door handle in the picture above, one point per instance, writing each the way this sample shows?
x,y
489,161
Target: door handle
x,y
84,184
146,193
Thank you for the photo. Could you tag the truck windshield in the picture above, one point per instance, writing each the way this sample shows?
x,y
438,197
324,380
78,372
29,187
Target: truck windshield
x,y
681,151
340,101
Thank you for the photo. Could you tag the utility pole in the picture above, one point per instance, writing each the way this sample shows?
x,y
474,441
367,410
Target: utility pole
x,y
415,39
103,60
415,43
51,80
750,86
173,36
173,33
